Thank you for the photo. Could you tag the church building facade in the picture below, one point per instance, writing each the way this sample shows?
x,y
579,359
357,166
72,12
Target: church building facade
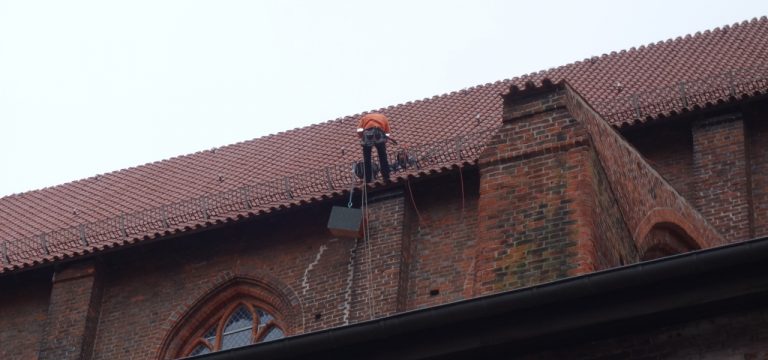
x,y
616,207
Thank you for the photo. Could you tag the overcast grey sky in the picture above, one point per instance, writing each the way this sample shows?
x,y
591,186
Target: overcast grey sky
x,y
89,87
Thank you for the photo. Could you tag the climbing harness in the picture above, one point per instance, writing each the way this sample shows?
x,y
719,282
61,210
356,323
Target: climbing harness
x,y
359,169
372,136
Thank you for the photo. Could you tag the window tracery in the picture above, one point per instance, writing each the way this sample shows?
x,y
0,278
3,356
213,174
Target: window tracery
x,y
238,311
243,324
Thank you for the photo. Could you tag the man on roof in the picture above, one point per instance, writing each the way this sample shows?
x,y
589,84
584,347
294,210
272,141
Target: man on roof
x,y
373,130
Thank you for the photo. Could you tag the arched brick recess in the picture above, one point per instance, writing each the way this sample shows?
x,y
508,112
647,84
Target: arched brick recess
x,y
228,290
666,216
666,239
685,236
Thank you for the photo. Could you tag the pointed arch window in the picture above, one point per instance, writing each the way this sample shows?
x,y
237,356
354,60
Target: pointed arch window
x,y
243,324
238,312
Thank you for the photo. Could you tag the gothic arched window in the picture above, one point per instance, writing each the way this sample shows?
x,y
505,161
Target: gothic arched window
x,y
238,312
242,324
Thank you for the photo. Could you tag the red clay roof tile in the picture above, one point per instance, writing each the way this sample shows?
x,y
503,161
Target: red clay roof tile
x,y
184,186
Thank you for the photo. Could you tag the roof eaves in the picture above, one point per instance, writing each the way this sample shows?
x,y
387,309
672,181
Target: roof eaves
x,y
225,207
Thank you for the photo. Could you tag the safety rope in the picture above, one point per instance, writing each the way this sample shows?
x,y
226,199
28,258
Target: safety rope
x,y
367,239
366,227
413,202
461,181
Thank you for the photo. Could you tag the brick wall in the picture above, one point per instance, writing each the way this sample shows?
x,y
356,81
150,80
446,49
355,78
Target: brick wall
x,y
149,289
534,220
73,312
612,239
377,262
729,173
646,199
757,126
720,172
23,313
668,148
443,242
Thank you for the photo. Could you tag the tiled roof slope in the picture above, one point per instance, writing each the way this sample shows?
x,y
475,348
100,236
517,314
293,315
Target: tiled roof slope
x,y
743,45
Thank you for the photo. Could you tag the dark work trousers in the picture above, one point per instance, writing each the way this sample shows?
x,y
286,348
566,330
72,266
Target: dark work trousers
x,y
381,149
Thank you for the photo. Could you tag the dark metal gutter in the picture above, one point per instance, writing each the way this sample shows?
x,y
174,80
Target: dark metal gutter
x,y
646,295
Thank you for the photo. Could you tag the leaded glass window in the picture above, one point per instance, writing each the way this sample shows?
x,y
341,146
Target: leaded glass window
x,y
245,324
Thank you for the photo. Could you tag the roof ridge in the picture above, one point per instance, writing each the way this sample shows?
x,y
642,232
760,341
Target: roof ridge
x,y
433,97
635,49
